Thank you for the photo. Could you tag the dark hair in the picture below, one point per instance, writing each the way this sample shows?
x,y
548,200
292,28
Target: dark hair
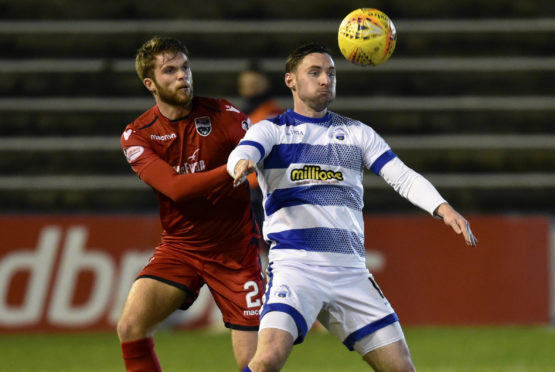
x,y
297,55
144,61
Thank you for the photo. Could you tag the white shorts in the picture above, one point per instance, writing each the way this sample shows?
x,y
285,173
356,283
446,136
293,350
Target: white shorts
x,y
347,301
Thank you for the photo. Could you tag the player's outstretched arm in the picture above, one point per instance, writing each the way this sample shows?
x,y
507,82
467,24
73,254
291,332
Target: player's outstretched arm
x,y
457,222
181,187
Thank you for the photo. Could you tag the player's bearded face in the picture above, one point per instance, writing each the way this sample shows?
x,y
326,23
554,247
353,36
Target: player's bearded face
x,y
315,81
173,80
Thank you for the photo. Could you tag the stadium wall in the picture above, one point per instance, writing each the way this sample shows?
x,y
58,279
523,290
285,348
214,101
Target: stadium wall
x,y
72,273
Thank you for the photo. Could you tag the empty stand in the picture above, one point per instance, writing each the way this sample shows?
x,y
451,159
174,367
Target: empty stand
x,y
467,99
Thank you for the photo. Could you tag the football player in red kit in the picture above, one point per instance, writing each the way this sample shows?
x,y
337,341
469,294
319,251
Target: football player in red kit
x,y
180,147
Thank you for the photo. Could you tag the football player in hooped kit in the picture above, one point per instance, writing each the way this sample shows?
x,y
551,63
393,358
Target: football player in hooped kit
x,y
310,165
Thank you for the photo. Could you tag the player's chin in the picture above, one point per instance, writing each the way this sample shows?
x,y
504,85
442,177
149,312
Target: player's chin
x,y
324,101
183,98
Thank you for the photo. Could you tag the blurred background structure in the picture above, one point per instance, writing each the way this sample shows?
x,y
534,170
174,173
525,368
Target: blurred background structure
x,y
467,98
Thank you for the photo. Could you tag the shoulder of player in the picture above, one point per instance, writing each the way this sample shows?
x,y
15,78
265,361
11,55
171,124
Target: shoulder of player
x,y
359,132
146,120
338,119
139,127
264,128
218,105
351,124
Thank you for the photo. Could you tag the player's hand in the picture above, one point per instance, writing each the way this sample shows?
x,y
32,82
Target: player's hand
x,y
457,222
243,168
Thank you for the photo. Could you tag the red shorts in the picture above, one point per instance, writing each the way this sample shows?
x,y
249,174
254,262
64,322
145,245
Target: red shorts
x,y
234,277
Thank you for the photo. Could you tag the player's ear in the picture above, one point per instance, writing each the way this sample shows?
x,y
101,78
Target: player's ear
x,y
290,81
149,84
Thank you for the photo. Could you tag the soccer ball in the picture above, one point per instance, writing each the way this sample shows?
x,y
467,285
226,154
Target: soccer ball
x,y
367,37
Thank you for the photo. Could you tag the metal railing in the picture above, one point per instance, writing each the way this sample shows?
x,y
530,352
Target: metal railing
x,y
533,25
456,64
235,65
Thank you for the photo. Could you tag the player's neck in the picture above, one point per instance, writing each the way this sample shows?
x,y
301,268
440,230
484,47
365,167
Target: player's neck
x,y
173,112
309,112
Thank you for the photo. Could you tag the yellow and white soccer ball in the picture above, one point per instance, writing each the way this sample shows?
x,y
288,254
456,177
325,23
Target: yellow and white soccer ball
x,y
367,37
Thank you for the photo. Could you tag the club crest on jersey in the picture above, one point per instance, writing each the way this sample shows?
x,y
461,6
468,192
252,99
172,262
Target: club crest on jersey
x,y
203,125
339,134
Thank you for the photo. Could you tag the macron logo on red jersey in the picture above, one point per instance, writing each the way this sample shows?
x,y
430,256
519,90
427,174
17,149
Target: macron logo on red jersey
x,y
164,137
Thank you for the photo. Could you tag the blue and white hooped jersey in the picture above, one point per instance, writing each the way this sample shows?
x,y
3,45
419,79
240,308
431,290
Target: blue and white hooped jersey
x,y
310,172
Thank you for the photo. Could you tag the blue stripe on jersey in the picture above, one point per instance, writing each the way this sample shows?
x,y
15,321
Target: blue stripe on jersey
x,y
283,155
290,117
259,147
320,239
382,160
315,195
369,329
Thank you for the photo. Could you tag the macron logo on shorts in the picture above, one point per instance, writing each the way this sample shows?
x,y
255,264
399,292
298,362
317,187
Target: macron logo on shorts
x,y
249,313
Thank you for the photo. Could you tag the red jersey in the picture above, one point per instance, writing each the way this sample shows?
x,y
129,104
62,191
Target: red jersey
x,y
184,161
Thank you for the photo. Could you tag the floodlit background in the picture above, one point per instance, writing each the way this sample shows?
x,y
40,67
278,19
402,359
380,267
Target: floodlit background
x,y
467,100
